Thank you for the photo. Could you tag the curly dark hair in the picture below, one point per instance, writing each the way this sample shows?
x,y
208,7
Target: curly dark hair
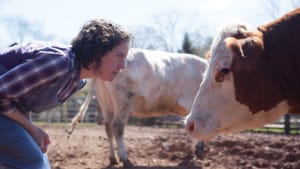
x,y
96,38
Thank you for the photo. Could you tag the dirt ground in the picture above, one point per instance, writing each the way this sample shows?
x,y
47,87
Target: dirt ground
x,y
161,148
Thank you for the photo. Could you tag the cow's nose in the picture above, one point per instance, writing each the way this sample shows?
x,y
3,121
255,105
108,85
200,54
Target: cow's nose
x,y
190,126
200,129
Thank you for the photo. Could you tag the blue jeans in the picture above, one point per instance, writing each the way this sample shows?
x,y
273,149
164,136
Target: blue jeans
x,y
18,150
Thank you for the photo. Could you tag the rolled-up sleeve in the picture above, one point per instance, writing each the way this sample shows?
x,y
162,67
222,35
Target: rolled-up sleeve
x,y
6,106
29,76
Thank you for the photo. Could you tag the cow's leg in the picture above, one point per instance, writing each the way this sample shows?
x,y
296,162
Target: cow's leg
x,y
199,149
109,133
118,128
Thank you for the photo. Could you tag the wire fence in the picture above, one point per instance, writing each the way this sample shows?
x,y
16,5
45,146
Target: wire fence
x,y
65,113
289,124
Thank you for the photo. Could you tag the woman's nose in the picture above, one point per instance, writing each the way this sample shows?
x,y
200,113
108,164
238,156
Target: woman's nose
x,y
121,64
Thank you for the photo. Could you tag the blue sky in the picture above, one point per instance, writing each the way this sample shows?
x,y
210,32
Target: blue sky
x,y
63,18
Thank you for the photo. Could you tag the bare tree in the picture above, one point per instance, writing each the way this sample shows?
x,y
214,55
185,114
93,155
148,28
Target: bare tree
x,y
21,29
166,32
295,3
273,9
167,26
277,8
160,34
146,37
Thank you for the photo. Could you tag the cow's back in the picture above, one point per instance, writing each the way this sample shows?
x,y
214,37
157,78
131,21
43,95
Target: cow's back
x,y
159,82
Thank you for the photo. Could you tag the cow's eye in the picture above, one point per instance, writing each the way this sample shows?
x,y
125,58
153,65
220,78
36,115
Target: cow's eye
x,y
225,71
221,74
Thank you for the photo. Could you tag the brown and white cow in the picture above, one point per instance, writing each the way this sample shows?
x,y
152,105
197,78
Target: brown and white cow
x,y
154,83
253,78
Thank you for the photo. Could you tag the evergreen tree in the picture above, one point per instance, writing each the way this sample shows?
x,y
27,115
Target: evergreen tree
x,y
187,46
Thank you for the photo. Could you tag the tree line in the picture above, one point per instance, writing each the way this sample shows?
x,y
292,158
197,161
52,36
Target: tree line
x,y
167,31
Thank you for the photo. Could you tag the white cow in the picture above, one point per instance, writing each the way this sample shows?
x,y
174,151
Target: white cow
x,y
153,83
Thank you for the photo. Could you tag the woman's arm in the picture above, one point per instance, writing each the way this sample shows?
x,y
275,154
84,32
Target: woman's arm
x,y
29,76
41,137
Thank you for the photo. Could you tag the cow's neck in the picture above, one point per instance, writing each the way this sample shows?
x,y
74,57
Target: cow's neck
x,y
282,55
257,88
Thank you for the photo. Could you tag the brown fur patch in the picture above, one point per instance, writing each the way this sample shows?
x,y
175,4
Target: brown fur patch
x,y
270,70
254,84
285,53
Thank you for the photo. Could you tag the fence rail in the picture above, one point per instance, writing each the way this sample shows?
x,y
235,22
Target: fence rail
x,y
289,123
64,113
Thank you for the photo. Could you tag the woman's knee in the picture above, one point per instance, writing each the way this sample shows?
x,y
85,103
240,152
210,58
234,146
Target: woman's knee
x,y
18,148
34,160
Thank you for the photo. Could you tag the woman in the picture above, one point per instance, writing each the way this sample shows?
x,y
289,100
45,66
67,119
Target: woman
x,y
39,76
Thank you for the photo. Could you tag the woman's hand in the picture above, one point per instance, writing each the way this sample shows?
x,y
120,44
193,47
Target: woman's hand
x,y
40,137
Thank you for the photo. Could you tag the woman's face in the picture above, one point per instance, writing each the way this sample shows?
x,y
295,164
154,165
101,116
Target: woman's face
x,y
112,63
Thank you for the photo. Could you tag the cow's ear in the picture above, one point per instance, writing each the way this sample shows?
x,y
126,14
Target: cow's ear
x,y
207,55
235,46
251,47
247,53
242,31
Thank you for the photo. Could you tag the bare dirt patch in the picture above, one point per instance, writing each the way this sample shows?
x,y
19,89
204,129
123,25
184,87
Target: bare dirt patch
x,y
160,148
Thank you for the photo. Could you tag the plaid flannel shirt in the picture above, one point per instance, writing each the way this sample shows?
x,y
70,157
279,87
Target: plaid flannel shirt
x,y
38,65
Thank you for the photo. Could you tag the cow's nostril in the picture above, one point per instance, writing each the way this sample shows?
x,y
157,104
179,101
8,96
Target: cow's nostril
x,y
191,126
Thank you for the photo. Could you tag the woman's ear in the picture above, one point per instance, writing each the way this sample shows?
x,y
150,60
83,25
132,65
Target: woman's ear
x,y
92,66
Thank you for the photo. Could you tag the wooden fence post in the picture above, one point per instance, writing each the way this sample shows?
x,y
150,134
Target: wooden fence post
x,y
287,124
